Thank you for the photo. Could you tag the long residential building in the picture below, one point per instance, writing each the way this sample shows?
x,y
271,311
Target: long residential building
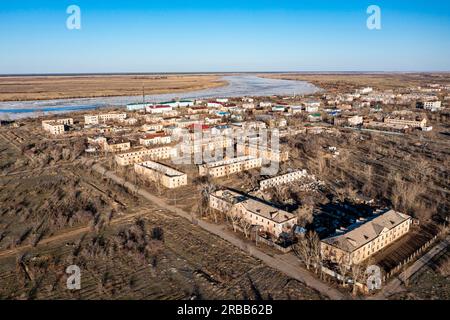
x,y
282,179
230,166
102,118
141,155
168,177
57,126
257,213
363,240
410,123
264,152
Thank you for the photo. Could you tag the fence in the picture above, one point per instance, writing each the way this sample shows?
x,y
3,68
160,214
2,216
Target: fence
x,y
270,243
412,257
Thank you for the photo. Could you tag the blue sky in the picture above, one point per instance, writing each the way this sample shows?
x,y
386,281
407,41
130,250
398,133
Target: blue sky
x,y
220,35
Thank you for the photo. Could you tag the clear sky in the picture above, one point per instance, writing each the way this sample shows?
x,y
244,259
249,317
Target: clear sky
x,y
223,35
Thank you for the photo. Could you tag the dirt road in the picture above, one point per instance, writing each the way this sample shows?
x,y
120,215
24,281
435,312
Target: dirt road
x,y
287,264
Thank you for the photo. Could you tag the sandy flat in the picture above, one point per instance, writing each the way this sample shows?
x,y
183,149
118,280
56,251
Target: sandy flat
x,y
24,88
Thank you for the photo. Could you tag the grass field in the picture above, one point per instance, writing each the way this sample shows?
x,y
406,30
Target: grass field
x,y
58,87
378,81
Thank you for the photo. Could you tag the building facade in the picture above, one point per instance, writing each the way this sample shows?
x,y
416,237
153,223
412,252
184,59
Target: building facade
x,y
227,167
129,158
282,179
257,213
365,239
168,177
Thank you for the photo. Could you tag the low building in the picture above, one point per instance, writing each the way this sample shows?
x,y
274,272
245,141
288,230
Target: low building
x,y
57,126
432,105
267,153
355,120
410,123
282,179
155,138
103,118
117,145
53,127
227,167
168,177
365,238
158,109
129,158
255,212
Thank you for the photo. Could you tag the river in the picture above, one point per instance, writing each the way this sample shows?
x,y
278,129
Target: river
x,y
238,86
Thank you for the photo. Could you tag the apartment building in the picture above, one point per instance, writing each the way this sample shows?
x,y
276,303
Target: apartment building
x,y
205,144
168,177
264,152
227,167
155,138
129,158
53,127
57,126
268,218
410,123
102,118
117,145
158,109
282,179
365,238
432,105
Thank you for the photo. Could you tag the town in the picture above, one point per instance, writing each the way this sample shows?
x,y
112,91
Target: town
x,y
333,182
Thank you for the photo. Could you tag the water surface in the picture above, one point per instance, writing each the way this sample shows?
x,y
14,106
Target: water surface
x,y
240,85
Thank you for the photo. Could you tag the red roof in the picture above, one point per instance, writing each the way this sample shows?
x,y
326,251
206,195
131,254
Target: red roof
x,y
198,126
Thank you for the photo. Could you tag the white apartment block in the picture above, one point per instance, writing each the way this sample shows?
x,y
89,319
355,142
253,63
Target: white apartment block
x,y
158,109
282,179
154,139
363,240
410,123
102,118
264,152
168,177
129,158
227,167
53,127
257,213
432,105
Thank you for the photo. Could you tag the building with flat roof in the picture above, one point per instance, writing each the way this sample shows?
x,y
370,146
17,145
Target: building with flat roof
x,y
410,123
230,166
268,218
365,238
57,126
282,179
141,155
168,177
102,118
264,152
155,138
117,145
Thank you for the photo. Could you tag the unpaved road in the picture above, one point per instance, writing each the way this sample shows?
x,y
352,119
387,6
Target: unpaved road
x,y
286,264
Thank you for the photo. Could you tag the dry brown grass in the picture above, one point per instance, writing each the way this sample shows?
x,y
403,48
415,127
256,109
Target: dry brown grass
x,y
58,87
378,81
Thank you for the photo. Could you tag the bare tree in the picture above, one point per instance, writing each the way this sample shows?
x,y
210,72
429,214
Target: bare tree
x,y
307,250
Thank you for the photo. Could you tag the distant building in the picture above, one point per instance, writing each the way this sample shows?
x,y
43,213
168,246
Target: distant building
x,y
282,179
364,239
158,109
432,105
410,123
227,167
355,120
102,118
168,177
116,145
258,151
128,158
57,126
257,213
155,138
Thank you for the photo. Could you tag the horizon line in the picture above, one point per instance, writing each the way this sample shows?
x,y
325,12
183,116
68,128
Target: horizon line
x,y
217,72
